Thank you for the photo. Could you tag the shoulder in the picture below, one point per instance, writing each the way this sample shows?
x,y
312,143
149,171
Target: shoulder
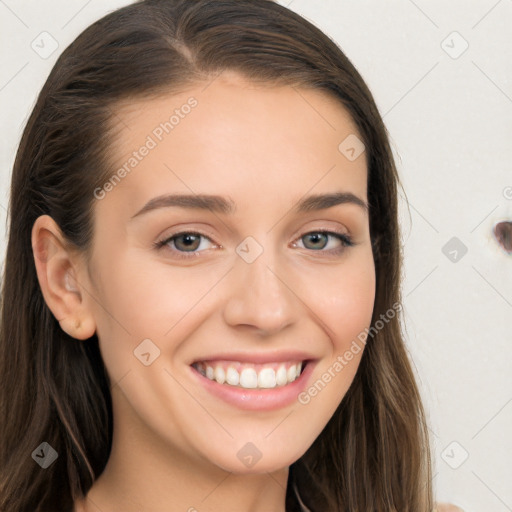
x,y
446,507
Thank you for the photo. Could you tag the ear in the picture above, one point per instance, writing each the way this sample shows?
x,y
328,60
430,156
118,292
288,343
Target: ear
x,y
58,269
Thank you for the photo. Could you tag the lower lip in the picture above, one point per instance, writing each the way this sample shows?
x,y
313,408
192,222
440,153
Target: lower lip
x,y
258,399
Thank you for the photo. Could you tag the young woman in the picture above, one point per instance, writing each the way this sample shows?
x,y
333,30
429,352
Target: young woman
x,y
201,296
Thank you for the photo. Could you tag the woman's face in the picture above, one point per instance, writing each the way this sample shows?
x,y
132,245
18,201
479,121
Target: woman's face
x,y
209,263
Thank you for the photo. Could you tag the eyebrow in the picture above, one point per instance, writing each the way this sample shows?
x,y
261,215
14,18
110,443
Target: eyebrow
x,y
219,204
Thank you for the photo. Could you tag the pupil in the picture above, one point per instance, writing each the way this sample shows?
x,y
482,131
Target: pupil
x,y
316,237
189,240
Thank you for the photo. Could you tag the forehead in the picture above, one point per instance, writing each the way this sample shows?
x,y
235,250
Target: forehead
x,y
232,133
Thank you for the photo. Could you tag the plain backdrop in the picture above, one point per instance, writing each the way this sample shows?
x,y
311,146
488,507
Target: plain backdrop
x,y
441,75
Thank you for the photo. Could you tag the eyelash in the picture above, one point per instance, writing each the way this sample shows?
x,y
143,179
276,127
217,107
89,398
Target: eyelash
x,y
346,241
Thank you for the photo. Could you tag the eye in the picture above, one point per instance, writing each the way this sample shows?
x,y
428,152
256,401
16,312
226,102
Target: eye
x,y
184,242
319,240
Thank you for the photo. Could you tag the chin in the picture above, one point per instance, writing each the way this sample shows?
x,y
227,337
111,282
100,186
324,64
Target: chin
x,y
250,460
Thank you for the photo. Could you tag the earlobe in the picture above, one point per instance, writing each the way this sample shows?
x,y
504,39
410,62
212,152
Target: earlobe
x,y
57,267
76,328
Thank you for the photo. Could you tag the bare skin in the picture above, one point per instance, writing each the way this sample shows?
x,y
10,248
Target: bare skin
x,y
176,445
447,507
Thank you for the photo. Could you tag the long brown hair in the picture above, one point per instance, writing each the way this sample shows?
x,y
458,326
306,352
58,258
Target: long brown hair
x,y
374,453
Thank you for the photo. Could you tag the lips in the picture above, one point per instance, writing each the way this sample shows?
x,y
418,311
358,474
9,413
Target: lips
x,y
255,381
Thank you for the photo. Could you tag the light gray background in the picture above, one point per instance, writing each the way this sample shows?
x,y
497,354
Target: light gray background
x,y
449,113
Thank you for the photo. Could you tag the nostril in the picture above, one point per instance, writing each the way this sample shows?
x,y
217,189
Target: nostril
x,y
503,233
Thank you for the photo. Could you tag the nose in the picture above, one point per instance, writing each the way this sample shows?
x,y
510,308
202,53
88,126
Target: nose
x,y
261,298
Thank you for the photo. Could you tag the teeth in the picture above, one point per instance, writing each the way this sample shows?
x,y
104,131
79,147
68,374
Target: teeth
x,y
267,378
251,376
291,373
281,376
232,376
219,374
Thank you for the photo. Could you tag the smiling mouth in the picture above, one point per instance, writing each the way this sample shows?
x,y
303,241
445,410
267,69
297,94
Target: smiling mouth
x,y
251,376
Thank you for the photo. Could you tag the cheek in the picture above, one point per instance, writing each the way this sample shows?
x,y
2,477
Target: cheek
x,y
343,298
138,301
148,300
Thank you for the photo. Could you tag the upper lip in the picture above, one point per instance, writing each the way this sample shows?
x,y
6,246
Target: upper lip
x,y
259,358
